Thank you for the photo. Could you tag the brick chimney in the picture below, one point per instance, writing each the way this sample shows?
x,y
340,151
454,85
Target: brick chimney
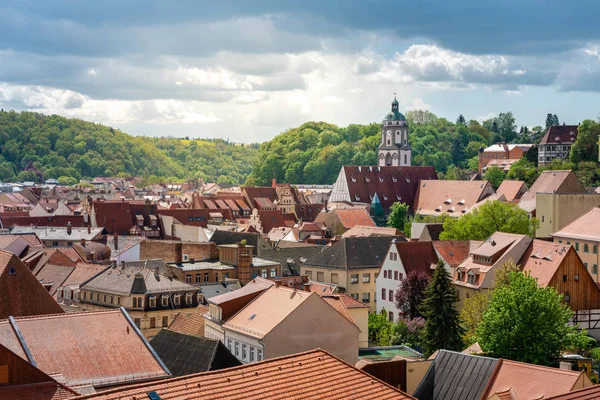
x,y
116,241
274,182
69,228
244,261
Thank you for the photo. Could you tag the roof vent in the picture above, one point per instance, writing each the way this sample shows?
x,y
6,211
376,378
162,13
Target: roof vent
x,y
252,316
448,201
493,242
461,202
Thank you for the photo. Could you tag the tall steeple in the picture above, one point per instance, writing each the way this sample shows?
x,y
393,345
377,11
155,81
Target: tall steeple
x,y
394,149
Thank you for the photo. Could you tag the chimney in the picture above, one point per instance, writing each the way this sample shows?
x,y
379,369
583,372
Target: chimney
x,y
89,229
157,271
274,182
82,242
69,228
116,241
243,263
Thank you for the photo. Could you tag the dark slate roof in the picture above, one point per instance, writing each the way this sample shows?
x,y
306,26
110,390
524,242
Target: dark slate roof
x,y
354,253
213,289
456,376
435,230
185,354
291,258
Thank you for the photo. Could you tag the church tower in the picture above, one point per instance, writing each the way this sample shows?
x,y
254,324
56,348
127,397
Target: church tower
x,y
394,149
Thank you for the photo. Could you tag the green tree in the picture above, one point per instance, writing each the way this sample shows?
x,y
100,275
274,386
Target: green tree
x,y
380,328
494,176
67,181
461,120
442,327
27,176
471,314
527,323
585,147
398,216
490,217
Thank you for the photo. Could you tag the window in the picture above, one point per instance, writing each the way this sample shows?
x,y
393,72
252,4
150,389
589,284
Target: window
x,y
55,244
186,258
383,293
391,295
586,248
198,278
258,355
576,246
152,300
400,276
366,297
391,316
354,296
265,275
229,344
244,351
595,249
189,299
135,302
273,272
98,297
320,276
251,354
165,321
564,278
309,274
165,300
594,268
334,278
104,298
177,299
85,295
542,218
237,349
112,299
396,275
152,322
206,277
585,265
385,273
118,300
216,277
391,256
188,278
366,278
137,322
354,278
471,278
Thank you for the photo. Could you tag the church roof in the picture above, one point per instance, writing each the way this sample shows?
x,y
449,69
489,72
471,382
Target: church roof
x,y
394,116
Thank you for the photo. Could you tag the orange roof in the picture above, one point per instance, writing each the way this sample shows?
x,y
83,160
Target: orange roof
x,y
267,311
590,393
453,252
351,302
192,324
94,348
336,302
547,182
454,198
354,216
586,227
359,230
315,374
321,288
529,381
84,272
542,259
510,189
37,391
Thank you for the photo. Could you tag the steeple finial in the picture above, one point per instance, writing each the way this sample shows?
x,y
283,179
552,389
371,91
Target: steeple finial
x,y
394,94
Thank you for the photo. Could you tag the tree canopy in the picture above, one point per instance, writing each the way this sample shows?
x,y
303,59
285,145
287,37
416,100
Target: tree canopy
x,y
411,292
527,323
490,217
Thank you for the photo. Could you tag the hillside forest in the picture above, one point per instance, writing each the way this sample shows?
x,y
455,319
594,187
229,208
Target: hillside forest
x,y
36,147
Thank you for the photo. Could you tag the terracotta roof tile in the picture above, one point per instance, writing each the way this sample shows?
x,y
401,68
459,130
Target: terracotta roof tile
x,y
547,182
590,393
562,134
511,189
436,197
417,256
453,252
313,375
38,391
54,220
529,381
88,348
192,324
586,227
542,259
352,217
359,230
337,302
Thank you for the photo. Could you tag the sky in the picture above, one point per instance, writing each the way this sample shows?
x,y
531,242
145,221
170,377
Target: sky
x,y
248,70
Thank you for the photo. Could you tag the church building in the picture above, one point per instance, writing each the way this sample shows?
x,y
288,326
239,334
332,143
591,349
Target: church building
x,y
394,149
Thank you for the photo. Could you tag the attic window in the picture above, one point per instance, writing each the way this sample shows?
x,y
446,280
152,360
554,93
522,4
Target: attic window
x,y
200,298
461,202
438,208
252,316
448,201
451,209
380,179
356,197
164,300
152,300
188,299
367,179
12,271
177,299
353,179
394,179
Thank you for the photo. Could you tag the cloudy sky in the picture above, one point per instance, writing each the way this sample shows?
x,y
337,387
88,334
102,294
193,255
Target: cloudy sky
x,y
246,70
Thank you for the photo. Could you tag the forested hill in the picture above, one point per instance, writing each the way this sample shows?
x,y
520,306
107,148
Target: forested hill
x,y
315,151
35,146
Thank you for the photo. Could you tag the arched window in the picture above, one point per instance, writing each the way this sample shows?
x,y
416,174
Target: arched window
x,y
405,137
405,159
388,159
135,302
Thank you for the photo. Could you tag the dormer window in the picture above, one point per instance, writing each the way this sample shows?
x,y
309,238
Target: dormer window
x,y
385,197
438,208
200,298
356,197
177,299
394,179
152,301
448,201
461,275
353,179
188,299
451,209
461,202
398,197
164,300
471,278
380,179
407,180
367,179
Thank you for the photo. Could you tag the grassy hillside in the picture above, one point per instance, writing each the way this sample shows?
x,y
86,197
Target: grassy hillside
x,y
35,146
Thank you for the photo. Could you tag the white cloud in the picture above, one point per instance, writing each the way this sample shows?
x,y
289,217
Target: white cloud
x,y
92,72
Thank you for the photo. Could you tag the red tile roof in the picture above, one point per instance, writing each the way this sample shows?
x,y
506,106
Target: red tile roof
x,y
314,375
98,348
542,259
20,292
188,216
590,393
192,324
352,217
271,219
417,256
54,220
114,216
450,197
38,391
548,182
512,190
253,192
337,302
560,134
453,252
308,212
391,184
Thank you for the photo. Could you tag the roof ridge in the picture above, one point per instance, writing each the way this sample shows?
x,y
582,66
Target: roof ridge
x,y
63,315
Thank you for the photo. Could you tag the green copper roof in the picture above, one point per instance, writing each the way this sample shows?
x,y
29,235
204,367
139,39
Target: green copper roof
x,y
394,116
